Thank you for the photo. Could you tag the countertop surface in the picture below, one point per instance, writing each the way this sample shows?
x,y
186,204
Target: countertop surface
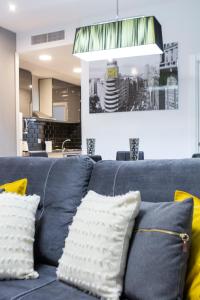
x,y
58,153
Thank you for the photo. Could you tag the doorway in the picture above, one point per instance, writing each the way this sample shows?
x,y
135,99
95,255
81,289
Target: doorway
x,y
50,99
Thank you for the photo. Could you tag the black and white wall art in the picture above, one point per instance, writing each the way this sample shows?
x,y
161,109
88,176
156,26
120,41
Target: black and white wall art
x,y
140,83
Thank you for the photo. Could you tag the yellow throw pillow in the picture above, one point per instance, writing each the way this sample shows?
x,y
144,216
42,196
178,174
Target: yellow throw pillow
x,y
193,274
18,186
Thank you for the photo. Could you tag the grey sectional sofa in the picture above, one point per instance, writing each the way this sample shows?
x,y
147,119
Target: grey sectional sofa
x,y
61,184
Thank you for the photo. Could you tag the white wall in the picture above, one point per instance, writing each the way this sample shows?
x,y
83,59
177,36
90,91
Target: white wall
x,y
8,145
163,134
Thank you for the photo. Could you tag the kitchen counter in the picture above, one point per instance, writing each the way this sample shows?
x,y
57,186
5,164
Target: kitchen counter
x,y
57,153
60,154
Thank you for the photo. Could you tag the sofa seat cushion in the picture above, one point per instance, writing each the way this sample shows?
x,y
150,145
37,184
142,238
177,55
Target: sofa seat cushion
x,y
57,290
16,289
45,287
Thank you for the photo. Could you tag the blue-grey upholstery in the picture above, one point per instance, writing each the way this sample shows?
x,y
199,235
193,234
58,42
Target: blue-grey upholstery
x,y
157,180
62,183
14,289
35,169
66,185
46,287
156,257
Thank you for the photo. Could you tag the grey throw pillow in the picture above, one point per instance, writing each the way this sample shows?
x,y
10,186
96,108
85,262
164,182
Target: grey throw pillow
x,y
2,190
159,251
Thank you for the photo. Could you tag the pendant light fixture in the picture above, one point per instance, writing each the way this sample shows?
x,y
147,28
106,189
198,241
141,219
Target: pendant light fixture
x,y
120,38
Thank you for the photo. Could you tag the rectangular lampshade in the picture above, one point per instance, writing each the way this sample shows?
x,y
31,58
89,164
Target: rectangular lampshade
x,y
122,38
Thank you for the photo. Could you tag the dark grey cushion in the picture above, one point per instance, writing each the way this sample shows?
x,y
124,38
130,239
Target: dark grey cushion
x,y
66,186
155,179
157,261
46,287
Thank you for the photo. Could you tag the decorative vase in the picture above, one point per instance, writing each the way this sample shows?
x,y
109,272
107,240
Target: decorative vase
x,y
134,148
90,146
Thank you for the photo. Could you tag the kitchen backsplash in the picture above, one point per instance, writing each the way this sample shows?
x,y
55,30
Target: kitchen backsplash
x,y
39,130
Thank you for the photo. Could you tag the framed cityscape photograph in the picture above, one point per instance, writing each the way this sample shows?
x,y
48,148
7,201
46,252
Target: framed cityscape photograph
x,y
141,83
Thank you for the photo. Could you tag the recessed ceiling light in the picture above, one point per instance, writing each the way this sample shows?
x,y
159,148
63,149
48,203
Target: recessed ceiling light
x,y
45,57
77,70
12,7
30,86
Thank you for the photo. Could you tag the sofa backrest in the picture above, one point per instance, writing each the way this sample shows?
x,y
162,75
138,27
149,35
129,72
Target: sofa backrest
x,y
61,183
35,169
157,180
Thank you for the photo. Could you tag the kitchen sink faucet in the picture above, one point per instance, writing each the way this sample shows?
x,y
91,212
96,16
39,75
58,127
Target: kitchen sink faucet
x,y
63,144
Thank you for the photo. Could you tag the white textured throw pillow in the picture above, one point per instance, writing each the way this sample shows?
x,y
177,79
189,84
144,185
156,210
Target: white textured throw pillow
x,y
96,248
17,230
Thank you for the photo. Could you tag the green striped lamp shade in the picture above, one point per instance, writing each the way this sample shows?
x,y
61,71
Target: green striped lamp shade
x,y
121,38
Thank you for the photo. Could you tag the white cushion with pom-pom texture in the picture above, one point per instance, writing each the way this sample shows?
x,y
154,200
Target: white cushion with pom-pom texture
x,y
95,252
17,230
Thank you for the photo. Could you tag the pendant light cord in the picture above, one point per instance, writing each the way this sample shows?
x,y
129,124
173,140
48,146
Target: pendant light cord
x,y
117,9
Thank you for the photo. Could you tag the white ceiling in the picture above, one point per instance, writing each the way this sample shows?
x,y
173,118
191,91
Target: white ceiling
x,y
34,15
61,66
37,16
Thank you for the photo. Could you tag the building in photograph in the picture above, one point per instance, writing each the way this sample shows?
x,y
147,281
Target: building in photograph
x,y
112,88
169,77
154,87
